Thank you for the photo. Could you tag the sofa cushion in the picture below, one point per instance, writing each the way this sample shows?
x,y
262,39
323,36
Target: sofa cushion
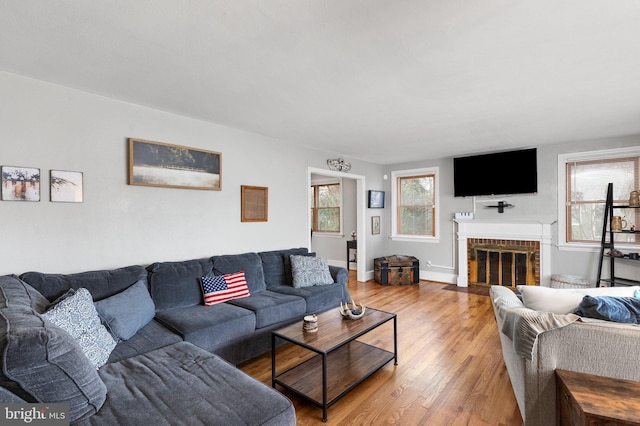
x,y
17,293
183,384
220,288
177,284
100,284
276,265
40,361
76,314
566,300
127,312
150,337
318,298
271,308
209,326
609,308
308,271
250,263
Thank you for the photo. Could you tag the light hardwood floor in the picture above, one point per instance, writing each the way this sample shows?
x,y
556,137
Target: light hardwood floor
x,y
450,369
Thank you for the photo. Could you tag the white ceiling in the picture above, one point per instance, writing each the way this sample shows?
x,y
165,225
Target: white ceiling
x,y
385,81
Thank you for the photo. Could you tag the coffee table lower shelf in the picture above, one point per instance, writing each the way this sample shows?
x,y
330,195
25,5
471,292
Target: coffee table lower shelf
x,y
345,368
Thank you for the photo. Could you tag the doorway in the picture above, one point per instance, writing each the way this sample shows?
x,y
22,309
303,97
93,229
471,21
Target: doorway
x,y
360,215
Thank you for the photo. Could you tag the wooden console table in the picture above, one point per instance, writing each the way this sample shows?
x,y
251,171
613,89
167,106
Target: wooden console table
x,y
585,399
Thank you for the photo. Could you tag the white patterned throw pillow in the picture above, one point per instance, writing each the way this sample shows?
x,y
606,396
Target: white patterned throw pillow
x,y
308,271
76,314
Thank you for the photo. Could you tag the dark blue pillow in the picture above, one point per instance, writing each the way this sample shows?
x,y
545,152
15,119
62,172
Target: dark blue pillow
x,y
610,308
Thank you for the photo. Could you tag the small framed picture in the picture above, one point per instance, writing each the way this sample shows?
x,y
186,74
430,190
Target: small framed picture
x,y
375,225
20,184
254,202
66,187
376,199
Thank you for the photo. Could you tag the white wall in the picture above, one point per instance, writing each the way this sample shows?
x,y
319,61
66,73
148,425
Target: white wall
x,y
51,127
542,206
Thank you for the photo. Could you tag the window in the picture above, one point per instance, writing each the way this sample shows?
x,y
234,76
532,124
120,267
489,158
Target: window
x,y
414,198
325,207
586,176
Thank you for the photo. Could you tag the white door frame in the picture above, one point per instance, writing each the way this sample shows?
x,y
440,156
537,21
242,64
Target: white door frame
x,y
361,210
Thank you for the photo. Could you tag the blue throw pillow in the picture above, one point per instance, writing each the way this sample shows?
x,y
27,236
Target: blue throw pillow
x,y
127,312
610,308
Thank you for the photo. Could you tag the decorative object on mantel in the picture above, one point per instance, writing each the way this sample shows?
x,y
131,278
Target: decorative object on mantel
x,y
501,206
338,164
310,323
173,166
353,312
66,187
254,202
354,235
20,184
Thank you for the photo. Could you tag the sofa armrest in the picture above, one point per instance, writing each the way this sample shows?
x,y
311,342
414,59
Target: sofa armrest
x,y
339,274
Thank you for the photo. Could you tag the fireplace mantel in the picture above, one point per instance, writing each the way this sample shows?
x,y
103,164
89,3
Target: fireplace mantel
x,y
528,231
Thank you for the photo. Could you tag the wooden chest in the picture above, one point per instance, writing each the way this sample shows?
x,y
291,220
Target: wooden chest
x,y
396,270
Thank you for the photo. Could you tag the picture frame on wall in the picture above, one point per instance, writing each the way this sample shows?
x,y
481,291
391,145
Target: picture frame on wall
x,y
20,183
375,225
66,187
173,166
376,199
254,203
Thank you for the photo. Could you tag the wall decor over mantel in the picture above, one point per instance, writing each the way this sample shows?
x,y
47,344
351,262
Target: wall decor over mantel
x,y
173,166
20,184
254,203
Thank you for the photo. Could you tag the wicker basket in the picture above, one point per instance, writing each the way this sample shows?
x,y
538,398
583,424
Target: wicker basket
x,y
569,281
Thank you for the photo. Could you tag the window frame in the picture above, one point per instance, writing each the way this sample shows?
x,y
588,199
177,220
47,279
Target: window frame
x,y
327,182
563,184
396,176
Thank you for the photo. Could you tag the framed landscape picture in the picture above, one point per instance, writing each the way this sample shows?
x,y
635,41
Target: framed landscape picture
x,y
66,187
20,184
173,166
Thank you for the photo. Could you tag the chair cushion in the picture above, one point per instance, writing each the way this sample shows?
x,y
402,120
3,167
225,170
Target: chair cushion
x,y
566,300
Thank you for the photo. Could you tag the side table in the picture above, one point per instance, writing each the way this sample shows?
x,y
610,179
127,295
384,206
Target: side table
x,y
585,399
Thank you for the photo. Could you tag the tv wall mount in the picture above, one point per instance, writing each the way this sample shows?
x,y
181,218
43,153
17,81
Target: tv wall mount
x,y
501,206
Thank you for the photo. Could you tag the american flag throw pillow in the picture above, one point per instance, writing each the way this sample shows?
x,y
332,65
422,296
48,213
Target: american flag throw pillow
x,y
220,288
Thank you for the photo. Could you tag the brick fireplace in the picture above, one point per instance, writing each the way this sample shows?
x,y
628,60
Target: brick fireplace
x,y
503,253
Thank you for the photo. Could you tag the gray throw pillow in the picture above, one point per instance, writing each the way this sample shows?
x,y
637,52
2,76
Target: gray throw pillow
x,y
76,314
309,271
127,312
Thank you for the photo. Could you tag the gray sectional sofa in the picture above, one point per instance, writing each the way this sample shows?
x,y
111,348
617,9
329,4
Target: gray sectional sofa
x,y
173,357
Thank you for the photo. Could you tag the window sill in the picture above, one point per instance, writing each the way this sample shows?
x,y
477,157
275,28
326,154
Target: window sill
x,y
415,239
593,247
328,234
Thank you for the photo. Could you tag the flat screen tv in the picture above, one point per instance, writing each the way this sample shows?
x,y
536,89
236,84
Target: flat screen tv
x,y
499,173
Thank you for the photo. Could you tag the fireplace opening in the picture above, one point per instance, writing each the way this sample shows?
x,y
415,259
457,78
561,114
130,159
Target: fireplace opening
x,y
506,263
